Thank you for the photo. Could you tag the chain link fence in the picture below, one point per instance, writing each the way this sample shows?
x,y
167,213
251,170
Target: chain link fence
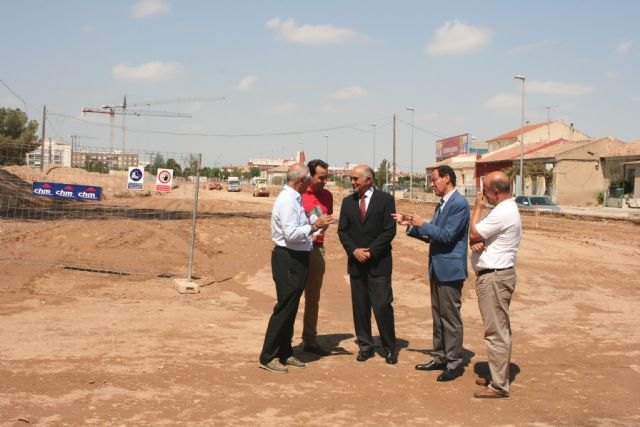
x,y
68,195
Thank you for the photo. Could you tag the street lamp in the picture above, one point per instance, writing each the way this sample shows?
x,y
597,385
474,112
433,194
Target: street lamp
x,y
413,113
374,145
327,156
521,189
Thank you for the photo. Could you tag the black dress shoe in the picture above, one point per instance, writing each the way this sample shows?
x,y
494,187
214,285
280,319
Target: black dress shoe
x,y
391,358
449,374
364,355
431,366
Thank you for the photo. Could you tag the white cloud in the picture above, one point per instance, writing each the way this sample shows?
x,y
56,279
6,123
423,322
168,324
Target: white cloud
x,y
350,92
455,38
533,46
152,71
624,47
246,83
504,101
557,88
87,28
287,107
145,8
612,75
636,98
313,34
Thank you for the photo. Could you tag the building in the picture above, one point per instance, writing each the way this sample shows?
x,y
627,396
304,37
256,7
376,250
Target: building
x,y
55,153
103,160
570,172
545,131
464,166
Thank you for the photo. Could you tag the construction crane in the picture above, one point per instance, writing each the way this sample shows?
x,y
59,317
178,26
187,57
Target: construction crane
x,y
123,110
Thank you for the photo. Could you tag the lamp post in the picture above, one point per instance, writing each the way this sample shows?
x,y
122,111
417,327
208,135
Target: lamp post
x,y
374,145
520,191
327,154
413,113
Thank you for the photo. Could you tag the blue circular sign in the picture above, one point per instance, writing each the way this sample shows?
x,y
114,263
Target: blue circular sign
x,y
135,174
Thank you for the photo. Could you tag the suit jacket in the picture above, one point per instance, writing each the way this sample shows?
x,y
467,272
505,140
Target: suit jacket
x,y
376,233
448,236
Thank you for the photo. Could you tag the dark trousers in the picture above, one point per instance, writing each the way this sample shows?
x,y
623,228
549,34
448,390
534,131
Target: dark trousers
x,y
289,269
447,322
373,293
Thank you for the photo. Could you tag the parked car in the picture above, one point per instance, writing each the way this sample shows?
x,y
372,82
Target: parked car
x,y
388,188
261,189
215,185
537,203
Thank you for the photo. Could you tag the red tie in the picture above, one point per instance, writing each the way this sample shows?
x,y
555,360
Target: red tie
x,y
363,208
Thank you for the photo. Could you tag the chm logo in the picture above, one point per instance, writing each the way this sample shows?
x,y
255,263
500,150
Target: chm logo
x,y
47,186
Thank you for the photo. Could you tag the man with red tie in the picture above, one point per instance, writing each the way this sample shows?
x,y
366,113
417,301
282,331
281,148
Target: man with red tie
x,y
366,229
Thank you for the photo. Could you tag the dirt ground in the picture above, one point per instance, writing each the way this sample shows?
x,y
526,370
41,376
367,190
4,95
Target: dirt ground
x,y
93,348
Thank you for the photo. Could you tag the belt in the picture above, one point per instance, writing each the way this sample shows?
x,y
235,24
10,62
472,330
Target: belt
x,y
491,270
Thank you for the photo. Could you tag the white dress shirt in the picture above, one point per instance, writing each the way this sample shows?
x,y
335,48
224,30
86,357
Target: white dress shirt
x,y
290,226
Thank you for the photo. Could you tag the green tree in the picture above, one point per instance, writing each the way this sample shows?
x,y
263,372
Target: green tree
x,y
172,164
17,136
381,173
158,162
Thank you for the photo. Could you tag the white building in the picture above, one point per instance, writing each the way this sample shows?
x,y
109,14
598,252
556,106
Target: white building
x,y
55,153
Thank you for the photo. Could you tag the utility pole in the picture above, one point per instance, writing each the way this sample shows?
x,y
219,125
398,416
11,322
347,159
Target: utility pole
x,y
44,120
393,174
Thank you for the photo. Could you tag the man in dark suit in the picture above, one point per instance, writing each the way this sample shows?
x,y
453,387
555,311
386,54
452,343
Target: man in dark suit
x,y
366,229
447,234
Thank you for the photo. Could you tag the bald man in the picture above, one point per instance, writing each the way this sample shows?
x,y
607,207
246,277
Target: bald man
x,y
494,243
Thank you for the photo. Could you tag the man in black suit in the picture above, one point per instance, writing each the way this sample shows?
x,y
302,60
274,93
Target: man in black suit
x,y
366,229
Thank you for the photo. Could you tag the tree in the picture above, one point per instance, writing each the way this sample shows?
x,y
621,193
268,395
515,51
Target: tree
x,y
172,164
381,173
17,136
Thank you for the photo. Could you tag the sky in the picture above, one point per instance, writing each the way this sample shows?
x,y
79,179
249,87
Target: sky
x,y
264,79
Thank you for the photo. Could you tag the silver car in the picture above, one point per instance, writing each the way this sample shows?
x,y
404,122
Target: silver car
x,y
539,203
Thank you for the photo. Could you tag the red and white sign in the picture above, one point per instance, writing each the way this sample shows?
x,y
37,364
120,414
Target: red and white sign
x,y
164,180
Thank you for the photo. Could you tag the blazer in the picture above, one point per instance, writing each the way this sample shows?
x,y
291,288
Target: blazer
x,y
376,233
448,236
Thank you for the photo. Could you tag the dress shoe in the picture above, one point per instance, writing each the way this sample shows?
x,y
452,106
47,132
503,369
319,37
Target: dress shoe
x,y
482,381
489,393
431,366
364,355
274,366
315,349
391,358
449,374
292,362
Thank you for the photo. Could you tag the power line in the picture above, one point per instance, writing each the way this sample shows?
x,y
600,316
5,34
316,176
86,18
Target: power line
x,y
16,95
227,135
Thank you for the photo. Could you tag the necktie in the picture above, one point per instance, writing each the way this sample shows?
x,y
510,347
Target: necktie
x,y
363,208
438,209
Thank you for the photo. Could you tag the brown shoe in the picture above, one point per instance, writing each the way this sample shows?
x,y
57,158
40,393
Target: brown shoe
x,y
482,381
489,393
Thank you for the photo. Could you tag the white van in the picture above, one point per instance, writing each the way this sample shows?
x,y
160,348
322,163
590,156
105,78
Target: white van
x,y
233,183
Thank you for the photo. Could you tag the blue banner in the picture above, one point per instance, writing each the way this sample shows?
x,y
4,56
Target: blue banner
x,y
66,191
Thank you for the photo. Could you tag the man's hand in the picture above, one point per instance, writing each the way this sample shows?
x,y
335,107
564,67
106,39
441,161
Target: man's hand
x,y
479,200
323,221
477,247
362,254
401,218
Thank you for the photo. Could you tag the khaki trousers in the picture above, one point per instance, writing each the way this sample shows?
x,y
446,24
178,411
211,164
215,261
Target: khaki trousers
x,y
312,294
494,292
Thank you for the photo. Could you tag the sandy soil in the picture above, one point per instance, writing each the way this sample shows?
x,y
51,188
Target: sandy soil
x,y
92,348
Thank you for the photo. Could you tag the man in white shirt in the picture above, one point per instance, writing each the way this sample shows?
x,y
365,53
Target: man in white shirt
x,y
292,234
494,242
